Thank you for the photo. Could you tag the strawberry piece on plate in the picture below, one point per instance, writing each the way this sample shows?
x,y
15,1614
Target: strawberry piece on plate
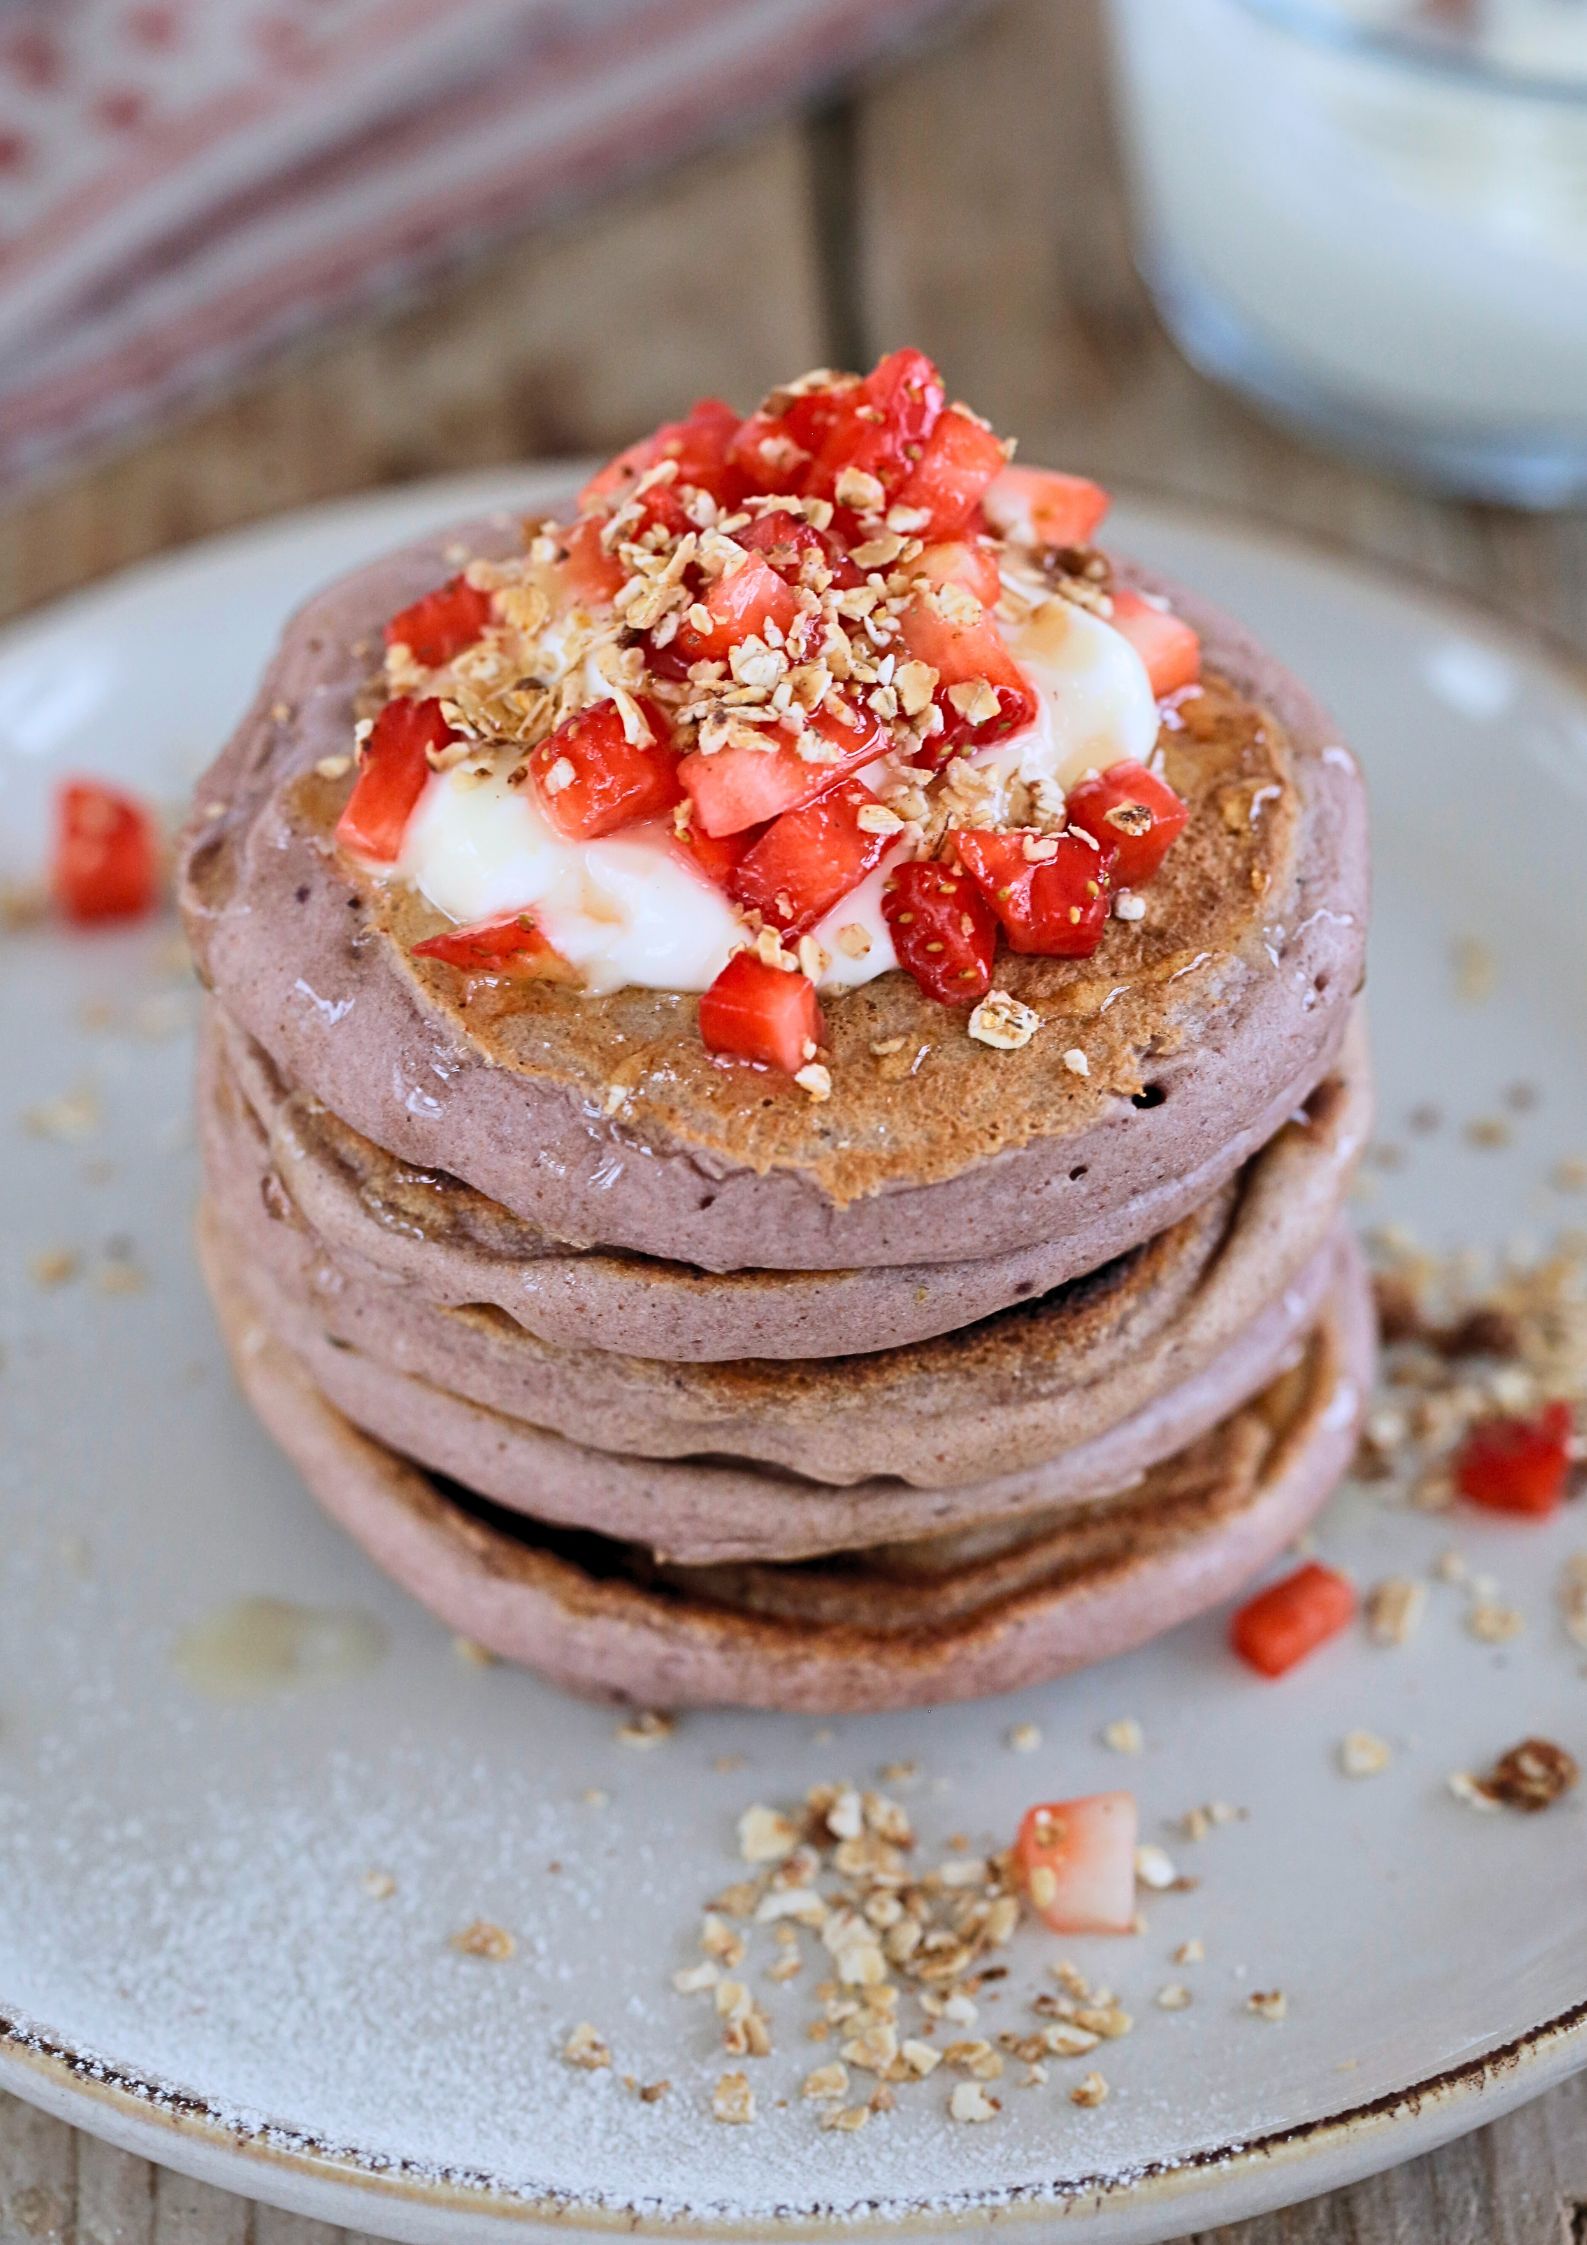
x,y
106,859
808,860
1517,1465
1054,905
981,691
701,445
442,624
394,768
756,1012
943,929
1077,1862
1040,507
738,787
953,472
510,944
1130,810
1165,643
749,601
592,779
1290,1619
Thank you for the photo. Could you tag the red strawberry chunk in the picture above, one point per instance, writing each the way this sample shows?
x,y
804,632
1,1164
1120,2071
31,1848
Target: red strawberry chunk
x,y
393,772
954,632
1040,507
1055,906
1131,811
798,552
718,856
808,860
511,944
952,472
756,1012
967,562
943,929
1165,642
442,624
702,446
1517,1465
106,860
776,447
1290,1619
592,779
594,576
884,427
1076,1861
750,601
738,787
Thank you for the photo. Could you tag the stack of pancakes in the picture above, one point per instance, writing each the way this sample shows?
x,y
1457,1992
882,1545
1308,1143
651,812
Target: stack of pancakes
x,y
655,1374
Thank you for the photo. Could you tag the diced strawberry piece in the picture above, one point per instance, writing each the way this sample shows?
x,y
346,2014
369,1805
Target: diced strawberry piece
x,y
797,551
1130,810
1165,642
756,1012
952,472
885,427
1055,907
1290,1619
702,446
808,860
106,859
1517,1465
594,576
718,856
1040,507
592,779
511,945
442,624
744,603
943,929
776,447
963,562
953,631
738,787
1076,1860
393,771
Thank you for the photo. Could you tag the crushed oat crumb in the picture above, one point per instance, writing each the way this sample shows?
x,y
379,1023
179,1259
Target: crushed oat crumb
x,y
1004,1022
1363,1754
646,1729
1268,2003
1124,1736
482,1939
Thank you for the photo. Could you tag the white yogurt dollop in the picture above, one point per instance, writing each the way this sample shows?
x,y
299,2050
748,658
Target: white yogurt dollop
x,y
633,909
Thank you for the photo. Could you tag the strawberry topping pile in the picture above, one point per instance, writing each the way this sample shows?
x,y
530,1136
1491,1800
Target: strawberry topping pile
x,y
778,645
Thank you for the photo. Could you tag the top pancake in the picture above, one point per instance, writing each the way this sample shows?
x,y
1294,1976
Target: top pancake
x,y
605,1121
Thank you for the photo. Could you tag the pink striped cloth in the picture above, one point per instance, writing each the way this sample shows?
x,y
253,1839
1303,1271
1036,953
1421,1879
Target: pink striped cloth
x,y
184,183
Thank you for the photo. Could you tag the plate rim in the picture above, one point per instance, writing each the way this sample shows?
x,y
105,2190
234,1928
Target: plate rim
x,y
282,2163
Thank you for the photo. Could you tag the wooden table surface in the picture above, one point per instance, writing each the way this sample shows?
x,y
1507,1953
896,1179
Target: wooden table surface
x,y
970,202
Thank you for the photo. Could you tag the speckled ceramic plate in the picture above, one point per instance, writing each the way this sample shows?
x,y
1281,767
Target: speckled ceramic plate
x,y
192,1959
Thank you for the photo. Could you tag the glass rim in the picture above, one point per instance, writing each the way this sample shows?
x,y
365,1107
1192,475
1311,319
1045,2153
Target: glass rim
x,y
1323,22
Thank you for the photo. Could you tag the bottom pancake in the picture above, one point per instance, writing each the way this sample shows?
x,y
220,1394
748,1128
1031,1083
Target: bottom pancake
x,y
897,1625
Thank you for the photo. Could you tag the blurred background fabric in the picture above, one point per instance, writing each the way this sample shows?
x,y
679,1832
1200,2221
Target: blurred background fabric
x,y
187,184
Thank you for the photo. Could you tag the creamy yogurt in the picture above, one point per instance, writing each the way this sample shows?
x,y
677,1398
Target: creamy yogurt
x,y
633,909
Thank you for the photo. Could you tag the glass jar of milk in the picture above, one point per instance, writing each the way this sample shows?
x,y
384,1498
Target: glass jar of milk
x,y
1371,216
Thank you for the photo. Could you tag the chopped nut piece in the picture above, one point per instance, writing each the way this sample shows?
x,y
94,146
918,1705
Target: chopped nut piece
x,y
847,2120
646,1729
1363,1754
919,2057
765,1835
56,1266
482,1939
378,1885
1471,1791
1394,1609
1154,1867
733,2100
1532,1776
1003,1022
1089,2092
1076,1062
1268,2003
970,2102
1193,1951
586,2049
1174,1997
1124,1735
827,2081
856,489
815,1080
1492,1623
1024,1738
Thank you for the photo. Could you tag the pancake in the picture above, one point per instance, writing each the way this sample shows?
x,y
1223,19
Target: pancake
x,y
602,1618
603,1120
986,1401
380,1219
